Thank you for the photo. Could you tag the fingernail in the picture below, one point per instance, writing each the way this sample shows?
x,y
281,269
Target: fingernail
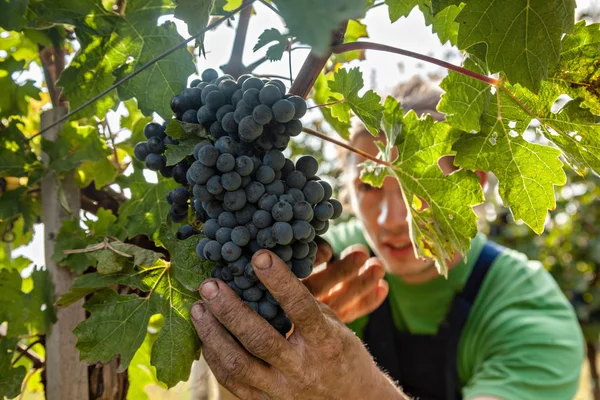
x,y
209,290
263,260
197,311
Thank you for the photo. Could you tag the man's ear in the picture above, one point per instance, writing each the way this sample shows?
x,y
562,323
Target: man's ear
x,y
483,177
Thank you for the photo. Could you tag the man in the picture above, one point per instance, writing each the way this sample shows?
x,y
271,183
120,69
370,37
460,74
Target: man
x,y
497,328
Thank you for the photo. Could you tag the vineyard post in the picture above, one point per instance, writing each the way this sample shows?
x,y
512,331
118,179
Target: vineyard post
x,y
66,375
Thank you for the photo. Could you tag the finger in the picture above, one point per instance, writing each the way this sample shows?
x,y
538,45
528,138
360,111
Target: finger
x,y
238,370
365,304
357,286
293,297
253,331
324,251
353,258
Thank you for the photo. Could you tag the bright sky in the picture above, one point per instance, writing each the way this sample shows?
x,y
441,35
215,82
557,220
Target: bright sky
x,y
381,71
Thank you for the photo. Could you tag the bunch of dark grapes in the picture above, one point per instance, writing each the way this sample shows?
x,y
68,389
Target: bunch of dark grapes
x,y
245,193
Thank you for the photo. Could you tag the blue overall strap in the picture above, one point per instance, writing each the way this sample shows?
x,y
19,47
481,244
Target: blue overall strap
x,y
460,309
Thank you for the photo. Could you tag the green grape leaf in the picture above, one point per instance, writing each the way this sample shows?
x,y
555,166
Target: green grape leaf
x,y
114,45
109,261
314,21
102,172
439,5
72,236
321,95
116,326
16,156
30,312
76,145
401,8
524,43
104,225
195,14
15,97
189,270
13,18
181,130
10,378
222,7
274,52
527,172
143,214
17,202
465,98
367,108
178,152
578,72
449,222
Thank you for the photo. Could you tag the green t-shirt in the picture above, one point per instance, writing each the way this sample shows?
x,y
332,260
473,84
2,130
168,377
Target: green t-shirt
x,y
521,340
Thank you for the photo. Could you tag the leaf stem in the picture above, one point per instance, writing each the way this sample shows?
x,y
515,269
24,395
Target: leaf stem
x,y
166,53
327,104
346,146
342,48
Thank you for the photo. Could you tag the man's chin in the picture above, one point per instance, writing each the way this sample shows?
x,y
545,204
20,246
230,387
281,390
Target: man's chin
x,y
413,271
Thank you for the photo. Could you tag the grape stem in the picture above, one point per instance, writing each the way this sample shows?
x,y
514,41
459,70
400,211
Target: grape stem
x,y
342,48
346,146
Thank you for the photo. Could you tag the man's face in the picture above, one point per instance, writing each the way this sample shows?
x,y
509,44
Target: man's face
x,y
383,213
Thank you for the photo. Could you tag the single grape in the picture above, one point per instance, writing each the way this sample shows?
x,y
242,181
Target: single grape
x,y
245,215
227,219
308,165
288,198
303,211
265,238
237,96
274,159
180,195
240,236
169,140
179,172
254,191
224,110
190,116
238,266
231,252
225,77
209,74
208,155
249,273
278,175
206,116
195,82
200,173
313,192
276,187
282,232
317,224
252,304
266,309
212,250
213,185
299,105
280,85
154,130
199,146
177,216
252,293
242,79
210,228
213,208
262,114
293,128
235,200
179,104
225,162
252,229
155,145
311,234
296,180
269,94
250,97
141,151
215,99
302,229
262,219
235,288
216,272
263,143
324,211
280,141
243,283
216,130
202,85
283,111
226,274
296,194
242,110
207,89
337,208
249,130
184,232
300,250
223,235
200,247
252,83
265,174
282,211
267,201
226,145
228,88
288,167
231,181
201,192
323,230
155,162
302,268
283,251
244,165
313,248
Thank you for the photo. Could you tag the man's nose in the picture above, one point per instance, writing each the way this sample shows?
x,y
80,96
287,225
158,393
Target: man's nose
x,y
392,210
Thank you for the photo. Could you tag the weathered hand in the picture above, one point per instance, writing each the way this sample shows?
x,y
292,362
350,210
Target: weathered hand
x,y
321,358
352,286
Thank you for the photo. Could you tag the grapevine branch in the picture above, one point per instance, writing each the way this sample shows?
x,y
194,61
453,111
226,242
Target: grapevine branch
x,y
342,48
144,67
235,66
